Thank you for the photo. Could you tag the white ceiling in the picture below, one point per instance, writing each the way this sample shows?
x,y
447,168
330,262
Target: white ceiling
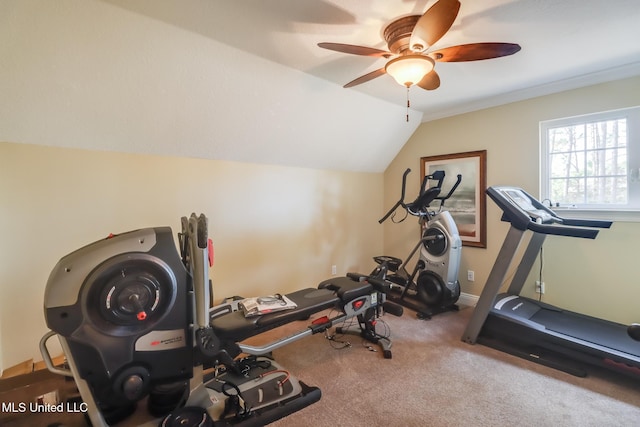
x,y
245,81
560,40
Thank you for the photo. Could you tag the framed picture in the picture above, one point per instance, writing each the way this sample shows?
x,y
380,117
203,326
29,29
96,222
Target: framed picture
x,y
468,203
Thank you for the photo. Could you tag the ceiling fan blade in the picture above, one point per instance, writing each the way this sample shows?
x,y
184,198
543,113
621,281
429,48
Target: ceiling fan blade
x,y
369,76
435,22
355,50
474,52
430,82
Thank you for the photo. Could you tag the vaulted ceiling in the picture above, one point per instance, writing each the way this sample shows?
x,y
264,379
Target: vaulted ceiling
x,y
246,81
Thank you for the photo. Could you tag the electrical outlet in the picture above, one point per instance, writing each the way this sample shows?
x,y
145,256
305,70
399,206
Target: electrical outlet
x,y
471,276
334,269
539,287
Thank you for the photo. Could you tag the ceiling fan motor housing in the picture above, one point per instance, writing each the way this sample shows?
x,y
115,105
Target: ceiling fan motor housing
x,y
398,33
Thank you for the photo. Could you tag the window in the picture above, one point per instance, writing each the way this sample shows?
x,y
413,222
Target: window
x,y
592,162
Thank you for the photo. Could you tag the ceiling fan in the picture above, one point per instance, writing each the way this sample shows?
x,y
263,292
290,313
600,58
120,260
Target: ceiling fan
x,y
409,39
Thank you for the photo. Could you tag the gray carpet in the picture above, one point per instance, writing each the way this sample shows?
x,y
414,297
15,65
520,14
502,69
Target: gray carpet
x,y
434,379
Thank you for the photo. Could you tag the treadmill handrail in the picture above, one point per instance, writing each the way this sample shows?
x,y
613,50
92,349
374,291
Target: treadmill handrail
x,y
559,226
563,230
598,223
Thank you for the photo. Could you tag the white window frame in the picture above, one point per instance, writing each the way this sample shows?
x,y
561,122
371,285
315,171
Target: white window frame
x,y
630,212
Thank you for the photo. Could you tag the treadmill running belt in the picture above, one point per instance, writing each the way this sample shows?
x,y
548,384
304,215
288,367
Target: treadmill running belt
x,y
596,331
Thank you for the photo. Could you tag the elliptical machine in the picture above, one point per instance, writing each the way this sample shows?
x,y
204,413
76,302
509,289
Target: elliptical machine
x,y
436,288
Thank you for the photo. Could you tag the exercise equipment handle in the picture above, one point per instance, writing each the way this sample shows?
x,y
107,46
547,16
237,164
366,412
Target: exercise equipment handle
x,y
46,356
596,223
450,193
198,256
562,230
399,202
572,227
379,284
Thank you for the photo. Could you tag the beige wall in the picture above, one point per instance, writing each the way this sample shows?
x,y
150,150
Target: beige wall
x,y
596,277
275,229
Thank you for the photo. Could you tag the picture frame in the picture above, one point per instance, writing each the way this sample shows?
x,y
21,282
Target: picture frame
x,y
467,205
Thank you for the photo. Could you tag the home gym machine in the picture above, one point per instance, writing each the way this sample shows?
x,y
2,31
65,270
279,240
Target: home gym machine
x,y
532,329
436,288
134,320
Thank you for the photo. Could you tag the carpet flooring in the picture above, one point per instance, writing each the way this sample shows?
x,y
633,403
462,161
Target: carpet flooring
x,y
435,379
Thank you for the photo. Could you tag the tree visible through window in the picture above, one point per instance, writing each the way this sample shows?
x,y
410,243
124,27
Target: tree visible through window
x,y
590,161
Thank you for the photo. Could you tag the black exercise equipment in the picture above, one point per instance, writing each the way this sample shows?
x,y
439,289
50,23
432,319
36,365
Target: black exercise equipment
x,y
133,318
534,330
436,288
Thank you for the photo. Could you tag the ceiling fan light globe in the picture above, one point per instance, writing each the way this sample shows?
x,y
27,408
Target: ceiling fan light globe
x,y
408,70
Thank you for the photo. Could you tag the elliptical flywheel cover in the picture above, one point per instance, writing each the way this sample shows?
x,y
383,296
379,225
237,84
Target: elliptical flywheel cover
x,y
439,245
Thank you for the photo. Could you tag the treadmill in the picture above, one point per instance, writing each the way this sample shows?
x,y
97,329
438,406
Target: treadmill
x,y
535,330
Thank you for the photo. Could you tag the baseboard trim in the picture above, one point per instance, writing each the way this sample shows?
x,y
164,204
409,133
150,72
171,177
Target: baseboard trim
x,y
468,299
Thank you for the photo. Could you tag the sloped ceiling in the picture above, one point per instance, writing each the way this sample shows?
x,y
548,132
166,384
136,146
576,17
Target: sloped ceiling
x,y
245,80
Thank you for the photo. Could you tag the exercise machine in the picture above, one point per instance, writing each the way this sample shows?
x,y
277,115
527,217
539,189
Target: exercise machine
x,y
135,321
432,287
534,330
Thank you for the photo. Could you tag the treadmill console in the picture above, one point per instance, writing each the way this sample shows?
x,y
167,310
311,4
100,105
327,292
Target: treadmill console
x,y
522,201
524,212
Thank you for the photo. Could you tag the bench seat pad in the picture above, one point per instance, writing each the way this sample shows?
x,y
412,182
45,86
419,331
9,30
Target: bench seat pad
x,y
237,327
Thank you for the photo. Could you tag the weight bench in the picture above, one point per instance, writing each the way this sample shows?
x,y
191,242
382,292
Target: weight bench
x,y
349,298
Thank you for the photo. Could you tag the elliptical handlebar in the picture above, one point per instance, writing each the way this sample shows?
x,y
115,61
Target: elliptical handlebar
x,y
399,202
426,196
450,193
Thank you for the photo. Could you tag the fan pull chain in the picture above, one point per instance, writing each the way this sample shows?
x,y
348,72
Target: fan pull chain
x,y
408,104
